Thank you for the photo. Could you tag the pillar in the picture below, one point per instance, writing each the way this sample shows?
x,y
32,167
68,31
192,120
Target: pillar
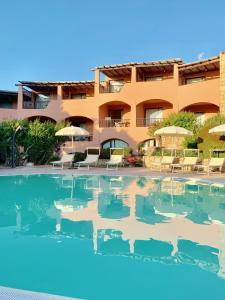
x,y
20,98
59,92
176,74
97,81
222,82
133,74
176,85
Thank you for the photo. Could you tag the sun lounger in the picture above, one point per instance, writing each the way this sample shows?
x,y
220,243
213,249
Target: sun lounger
x,y
91,159
165,161
65,159
115,160
188,162
215,163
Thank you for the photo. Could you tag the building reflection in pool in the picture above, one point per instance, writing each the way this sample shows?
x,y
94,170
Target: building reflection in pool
x,y
168,221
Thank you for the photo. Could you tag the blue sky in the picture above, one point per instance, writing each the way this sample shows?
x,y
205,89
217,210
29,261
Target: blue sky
x,y
64,39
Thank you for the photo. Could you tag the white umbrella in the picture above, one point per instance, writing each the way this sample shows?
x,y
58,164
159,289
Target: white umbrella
x,y
72,131
218,130
173,131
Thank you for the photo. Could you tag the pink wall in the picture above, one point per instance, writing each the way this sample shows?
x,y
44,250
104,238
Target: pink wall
x,y
136,95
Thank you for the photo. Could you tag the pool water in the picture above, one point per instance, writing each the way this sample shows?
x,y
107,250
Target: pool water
x,y
113,237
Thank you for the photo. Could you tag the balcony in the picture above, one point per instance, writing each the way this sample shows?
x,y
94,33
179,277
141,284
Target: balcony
x,y
112,86
39,102
106,123
145,122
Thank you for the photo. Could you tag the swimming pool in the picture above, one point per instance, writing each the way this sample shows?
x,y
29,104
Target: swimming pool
x,y
113,237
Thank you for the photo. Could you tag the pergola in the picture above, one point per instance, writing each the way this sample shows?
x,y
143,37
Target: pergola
x,y
205,65
49,86
116,70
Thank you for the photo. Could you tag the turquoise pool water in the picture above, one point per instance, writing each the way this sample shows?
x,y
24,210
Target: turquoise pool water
x,y
112,237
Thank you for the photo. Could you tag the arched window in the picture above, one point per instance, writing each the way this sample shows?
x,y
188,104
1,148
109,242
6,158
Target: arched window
x,y
114,143
145,145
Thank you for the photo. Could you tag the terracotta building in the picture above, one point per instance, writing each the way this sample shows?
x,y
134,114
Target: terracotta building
x,y
117,110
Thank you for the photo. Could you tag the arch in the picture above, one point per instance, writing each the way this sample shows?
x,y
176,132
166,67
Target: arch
x,y
83,122
202,110
146,144
114,102
203,105
78,120
152,110
42,119
114,113
114,143
157,101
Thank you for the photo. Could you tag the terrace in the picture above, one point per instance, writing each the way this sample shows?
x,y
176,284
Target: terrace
x,y
114,114
37,95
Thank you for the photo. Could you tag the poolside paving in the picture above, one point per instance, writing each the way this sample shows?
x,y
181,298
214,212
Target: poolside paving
x,y
130,171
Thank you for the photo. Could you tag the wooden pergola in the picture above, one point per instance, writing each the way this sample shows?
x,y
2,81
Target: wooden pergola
x,y
125,69
48,86
211,64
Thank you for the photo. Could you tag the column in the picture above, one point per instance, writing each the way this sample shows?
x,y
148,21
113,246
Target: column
x,y
133,74
222,82
97,81
20,98
176,86
59,92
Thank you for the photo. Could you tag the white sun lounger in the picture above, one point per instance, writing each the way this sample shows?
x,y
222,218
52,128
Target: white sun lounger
x,y
165,161
65,159
215,163
91,159
115,160
187,162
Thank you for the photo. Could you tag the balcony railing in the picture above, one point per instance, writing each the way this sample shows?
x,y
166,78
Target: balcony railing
x,y
114,123
36,105
106,87
145,122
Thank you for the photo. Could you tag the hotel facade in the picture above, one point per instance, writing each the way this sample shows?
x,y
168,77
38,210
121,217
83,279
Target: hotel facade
x,y
118,109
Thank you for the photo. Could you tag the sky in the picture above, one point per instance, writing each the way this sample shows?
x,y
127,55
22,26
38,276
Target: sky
x,y
64,39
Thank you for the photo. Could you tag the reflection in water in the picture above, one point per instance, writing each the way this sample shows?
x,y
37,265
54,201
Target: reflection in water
x,y
166,221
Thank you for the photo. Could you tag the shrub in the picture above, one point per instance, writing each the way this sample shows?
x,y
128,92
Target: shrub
x,y
105,153
79,156
207,141
182,119
153,127
38,139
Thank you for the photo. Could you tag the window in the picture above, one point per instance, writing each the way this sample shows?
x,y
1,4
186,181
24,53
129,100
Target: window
x,y
6,104
153,115
148,144
78,96
42,101
114,143
194,80
154,78
200,117
115,86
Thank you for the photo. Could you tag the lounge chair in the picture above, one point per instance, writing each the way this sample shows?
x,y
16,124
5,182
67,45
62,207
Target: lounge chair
x,y
115,159
91,159
215,163
165,161
65,159
188,162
